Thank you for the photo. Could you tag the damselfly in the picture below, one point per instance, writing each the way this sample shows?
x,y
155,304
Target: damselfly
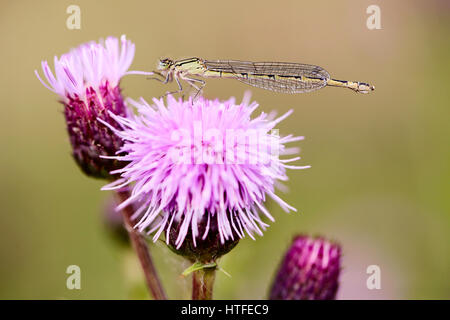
x,y
283,77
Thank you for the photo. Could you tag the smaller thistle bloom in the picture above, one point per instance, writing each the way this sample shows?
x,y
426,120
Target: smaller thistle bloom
x,y
310,271
113,223
87,81
200,171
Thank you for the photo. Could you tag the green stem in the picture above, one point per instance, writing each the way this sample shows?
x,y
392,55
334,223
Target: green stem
x,y
141,248
202,283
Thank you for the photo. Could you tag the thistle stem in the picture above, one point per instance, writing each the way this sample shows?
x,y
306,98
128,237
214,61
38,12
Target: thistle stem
x,y
203,283
141,248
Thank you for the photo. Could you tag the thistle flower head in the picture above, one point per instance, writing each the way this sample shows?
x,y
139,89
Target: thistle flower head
x,y
310,271
87,81
201,169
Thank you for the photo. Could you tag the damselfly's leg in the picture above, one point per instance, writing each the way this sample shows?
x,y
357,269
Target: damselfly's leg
x,y
166,78
191,82
180,88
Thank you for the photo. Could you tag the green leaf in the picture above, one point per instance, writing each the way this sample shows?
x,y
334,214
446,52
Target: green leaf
x,y
198,266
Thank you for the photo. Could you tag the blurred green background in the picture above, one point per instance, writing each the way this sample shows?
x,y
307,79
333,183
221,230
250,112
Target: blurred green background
x,y
379,182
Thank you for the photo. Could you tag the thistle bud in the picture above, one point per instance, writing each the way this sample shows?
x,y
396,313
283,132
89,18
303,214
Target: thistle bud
x,y
309,271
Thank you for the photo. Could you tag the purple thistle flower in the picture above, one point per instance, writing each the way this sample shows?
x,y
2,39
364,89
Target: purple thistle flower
x,y
87,82
199,172
310,271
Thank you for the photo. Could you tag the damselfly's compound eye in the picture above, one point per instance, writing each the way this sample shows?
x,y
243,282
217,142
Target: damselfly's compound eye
x,y
365,87
164,64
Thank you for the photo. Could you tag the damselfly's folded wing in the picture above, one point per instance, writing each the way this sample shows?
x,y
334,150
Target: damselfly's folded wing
x,y
276,76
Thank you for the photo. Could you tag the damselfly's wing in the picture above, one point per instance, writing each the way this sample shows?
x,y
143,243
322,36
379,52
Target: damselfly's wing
x,y
276,76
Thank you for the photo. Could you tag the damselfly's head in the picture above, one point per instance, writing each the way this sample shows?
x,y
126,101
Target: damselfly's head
x,y
364,87
164,64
